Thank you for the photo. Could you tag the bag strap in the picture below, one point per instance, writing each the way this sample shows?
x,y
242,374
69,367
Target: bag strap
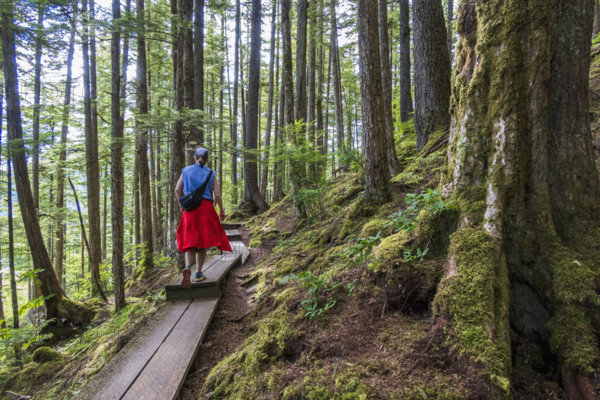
x,y
202,188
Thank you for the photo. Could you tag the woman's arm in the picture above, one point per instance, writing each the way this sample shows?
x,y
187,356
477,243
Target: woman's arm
x,y
179,188
218,199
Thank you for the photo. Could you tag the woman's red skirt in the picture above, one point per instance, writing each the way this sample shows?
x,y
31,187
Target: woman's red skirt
x,y
201,228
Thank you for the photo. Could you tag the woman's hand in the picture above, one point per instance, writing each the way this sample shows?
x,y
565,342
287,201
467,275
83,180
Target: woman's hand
x,y
222,215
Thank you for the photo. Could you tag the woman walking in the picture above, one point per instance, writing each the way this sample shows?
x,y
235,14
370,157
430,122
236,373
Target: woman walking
x,y
199,228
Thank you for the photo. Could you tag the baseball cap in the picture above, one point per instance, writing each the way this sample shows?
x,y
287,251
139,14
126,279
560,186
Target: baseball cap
x,y
201,152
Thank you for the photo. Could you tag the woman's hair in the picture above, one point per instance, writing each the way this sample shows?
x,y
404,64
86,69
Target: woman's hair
x,y
201,154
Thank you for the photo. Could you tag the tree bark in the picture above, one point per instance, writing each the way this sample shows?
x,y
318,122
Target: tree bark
x,y
236,74
596,28
199,65
37,88
92,166
321,134
190,128
337,83
520,148
312,97
302,14
386,82
62,157
265,169
142,148
11,251
406,102
39,253
278,173
377,173
2,316
449,30
432,70
178,143
251,189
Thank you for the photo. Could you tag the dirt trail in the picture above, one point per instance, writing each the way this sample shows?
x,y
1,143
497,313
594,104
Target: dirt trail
x,y
228,327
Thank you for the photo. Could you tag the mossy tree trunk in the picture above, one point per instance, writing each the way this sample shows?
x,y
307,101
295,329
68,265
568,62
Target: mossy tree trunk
x,y
521,168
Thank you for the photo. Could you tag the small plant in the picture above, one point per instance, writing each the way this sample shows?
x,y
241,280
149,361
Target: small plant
x,y
362,248
417,255
317,286
406,220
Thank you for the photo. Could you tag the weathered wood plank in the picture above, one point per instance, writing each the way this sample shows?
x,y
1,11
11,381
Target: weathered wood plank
x,y
233,235
232,225
216,269
163,376
121,371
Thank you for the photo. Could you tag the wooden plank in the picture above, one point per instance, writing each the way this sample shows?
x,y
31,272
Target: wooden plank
x,y
232,225
164,375
233,235
121,371
217,268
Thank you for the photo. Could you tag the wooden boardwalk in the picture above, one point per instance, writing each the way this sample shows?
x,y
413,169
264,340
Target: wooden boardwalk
x,y
154,364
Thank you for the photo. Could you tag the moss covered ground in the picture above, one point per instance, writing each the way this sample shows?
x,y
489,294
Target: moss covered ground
x,y
58,367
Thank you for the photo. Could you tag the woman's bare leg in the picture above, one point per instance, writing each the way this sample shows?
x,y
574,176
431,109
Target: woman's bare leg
x,y
200,258
189,257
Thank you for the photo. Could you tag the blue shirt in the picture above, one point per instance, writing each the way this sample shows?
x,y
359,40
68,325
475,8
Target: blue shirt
x,y
194,176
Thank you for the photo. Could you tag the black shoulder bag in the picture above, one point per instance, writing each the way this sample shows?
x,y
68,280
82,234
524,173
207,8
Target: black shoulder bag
x,y
193,199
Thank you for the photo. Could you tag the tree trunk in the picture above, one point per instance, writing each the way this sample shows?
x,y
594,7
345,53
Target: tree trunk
x,y
521,166
221,99
337,82
11,251
37,88
312,98
386,82
251,189
92,167
377,173
62,157
2,316
178,144
236,74
596,28
449,30
432,70
190,127
265,169
199,65
50,285
117,187
406,102
321,134
142,149
278,174
302,14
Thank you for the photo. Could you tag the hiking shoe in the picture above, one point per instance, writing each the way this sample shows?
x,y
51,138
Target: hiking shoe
x,y
185,282
199,277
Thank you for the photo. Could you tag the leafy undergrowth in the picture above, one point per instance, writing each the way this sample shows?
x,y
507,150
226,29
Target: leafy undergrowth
x,y
77,353
343,300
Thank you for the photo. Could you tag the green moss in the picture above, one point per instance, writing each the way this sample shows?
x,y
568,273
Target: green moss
x,y
574,340
46,354
273,341
575,283
433,390
433,231
375,225
474,295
